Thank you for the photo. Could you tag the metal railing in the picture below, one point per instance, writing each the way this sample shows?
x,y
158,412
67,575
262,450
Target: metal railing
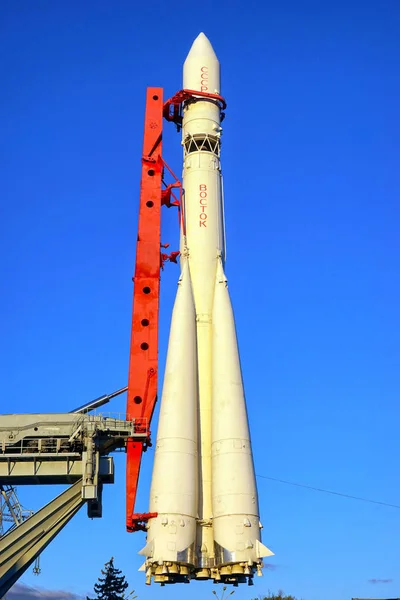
x,y
89,425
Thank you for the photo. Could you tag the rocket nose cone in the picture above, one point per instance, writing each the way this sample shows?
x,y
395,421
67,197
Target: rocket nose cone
x,y
201,70
201,47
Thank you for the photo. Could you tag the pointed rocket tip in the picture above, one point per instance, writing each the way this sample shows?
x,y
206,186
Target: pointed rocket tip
x,y
202,47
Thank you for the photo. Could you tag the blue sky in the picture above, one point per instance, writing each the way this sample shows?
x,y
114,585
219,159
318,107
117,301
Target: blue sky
x,y
310,159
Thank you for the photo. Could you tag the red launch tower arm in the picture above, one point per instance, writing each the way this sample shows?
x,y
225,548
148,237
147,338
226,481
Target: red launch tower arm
x,y
143,362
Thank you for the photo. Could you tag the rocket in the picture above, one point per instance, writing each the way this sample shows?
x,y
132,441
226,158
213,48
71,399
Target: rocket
x,y
203,487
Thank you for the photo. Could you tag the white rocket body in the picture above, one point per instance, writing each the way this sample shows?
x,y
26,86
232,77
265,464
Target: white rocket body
x,y
203,485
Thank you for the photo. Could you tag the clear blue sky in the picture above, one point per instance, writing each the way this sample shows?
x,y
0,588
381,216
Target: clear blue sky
x,y
311,165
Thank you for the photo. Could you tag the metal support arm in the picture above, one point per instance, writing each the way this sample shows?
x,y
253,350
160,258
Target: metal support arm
x,y
20,547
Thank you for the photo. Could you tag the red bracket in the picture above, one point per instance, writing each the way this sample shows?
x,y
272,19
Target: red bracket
x,y
169,199
173,106
167,194
171,257
139,521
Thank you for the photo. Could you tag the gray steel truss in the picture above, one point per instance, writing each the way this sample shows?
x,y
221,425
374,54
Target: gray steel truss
x,y
65,448
20,547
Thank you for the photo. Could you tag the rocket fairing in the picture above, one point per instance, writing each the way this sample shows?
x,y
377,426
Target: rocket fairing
x,y
203,485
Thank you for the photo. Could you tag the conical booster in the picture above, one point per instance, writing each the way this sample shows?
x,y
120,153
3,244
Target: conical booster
x,y
236,523
170,548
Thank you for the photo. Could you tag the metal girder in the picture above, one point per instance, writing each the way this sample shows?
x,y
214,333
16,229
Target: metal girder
x,y
62,448
66,470
20,547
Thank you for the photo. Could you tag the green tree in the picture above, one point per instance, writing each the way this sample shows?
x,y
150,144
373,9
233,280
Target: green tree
x,y
280,595
112,586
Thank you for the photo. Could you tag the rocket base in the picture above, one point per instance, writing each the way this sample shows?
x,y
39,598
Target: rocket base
x,y
168,572
173,572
